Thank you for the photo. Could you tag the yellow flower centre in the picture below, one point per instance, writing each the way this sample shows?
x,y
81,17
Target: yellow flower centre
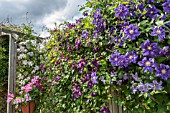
x,y
131,31
151,12
158,31
130,57
167,51
119,40
84,34
163,71
149,48
120,10
116,59
147,63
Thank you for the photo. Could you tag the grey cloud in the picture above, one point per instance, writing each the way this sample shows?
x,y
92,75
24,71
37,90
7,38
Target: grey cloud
x,y
36,8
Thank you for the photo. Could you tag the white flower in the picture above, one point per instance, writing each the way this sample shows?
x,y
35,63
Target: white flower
x,y
28,78
22,49
36,68
30,53
20,77
22,82
18,50
21,56
30,63
25,62
25,50
33,42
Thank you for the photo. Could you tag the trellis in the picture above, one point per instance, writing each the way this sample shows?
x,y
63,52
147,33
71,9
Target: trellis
x,y
12,35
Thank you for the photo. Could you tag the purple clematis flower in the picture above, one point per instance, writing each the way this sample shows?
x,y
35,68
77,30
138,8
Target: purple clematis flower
x,y
150,49
114,59
135,77
122,62
118,41
97,13
165,51
124,25
97,21
150,1
90,84
143,87
104,109
131,56
163,71
156,85
134,89
112,30
85,34
147,64
158,31
122,11
166,6
131,32
94,78
152,12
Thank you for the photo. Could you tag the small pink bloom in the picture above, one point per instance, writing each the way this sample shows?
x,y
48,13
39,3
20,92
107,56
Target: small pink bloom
x,y
28,87
10,97
23,88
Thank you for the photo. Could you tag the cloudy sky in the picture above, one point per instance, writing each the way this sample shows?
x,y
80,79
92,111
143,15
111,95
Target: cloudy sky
x,y
40,12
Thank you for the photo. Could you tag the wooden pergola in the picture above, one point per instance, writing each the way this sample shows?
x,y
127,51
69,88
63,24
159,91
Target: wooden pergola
x,y
12,35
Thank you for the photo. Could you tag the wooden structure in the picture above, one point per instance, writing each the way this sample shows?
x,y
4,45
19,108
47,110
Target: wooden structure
x,y
12,35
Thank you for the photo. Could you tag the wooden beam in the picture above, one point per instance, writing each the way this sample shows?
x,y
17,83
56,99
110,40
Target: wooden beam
x,y
11,71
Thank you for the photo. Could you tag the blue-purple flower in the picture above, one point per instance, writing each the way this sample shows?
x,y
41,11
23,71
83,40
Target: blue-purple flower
x,y
131,56
104,109
124,25
97,13
85,34
136,77
150,49
114,59
94,78
152,12
131,32
165,51
155,85
123,62
163,71
158,31
134,89
90,84
122,11
147,64
76,92
143,87
166,6
119,41
97,21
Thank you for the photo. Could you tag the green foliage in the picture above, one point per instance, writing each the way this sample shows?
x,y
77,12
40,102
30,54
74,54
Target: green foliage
x,y
4,51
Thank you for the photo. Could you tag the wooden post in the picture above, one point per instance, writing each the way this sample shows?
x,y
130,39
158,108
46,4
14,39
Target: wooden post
x,y
11,71
113,106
